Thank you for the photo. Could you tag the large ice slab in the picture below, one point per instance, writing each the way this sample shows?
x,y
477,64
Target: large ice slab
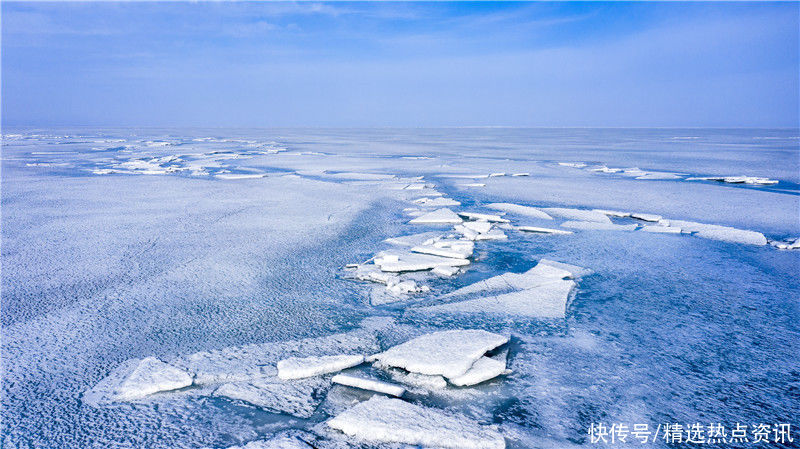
x,y
449,353
413,239
577,214
298,368
368,384
544,272
399,262
548,300
723,233
244,363
439,216
595,226
297,398
387,420
520,210
484,369
137,379
540,230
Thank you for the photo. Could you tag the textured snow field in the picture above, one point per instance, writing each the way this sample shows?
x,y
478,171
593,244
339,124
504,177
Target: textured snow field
x,y
188,245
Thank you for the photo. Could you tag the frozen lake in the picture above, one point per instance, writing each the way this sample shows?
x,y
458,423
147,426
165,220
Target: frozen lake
x,y
126,244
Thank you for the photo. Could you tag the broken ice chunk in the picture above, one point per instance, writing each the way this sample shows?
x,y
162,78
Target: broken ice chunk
x,y
296,398
494,175
443,215
151,376
494,234
298,368
722,233
577,214
417,380
613,213
474,184
487,217
646,217
449,353
573,164
412,240
480,227
445,271
787,244
543,230
594,226
387,420
548,300
659,175
436,202
661,229
456,253
484,369
368,384
416,262
521,174
520,210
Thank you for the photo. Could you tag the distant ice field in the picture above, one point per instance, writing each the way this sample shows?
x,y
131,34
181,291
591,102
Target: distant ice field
x,y
119,245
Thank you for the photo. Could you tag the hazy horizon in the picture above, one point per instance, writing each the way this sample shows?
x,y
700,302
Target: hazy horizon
x,y
400,65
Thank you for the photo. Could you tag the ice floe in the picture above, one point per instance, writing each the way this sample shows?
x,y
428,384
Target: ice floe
x,y
399,262
368,384
436,202
577,214
136,379
298,368
757,180
449,353
613,213
439,216
661,229
722,233
240,175
486,368
540,230
413,239
487,217
388,420
297,398
595,226
787,244
646,217
520,210
458,249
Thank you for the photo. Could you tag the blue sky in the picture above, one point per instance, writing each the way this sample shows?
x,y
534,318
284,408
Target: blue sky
x,y
400,64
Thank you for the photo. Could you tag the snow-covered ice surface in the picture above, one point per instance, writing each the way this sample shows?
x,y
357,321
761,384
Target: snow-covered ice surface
x,y
153,279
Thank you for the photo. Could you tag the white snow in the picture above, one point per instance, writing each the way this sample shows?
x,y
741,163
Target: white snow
x,y
443,215
722,233
595,226
368,384
577,214
520,210
449,353
474,184
543,230
297,398
484,369
298,368
387,420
